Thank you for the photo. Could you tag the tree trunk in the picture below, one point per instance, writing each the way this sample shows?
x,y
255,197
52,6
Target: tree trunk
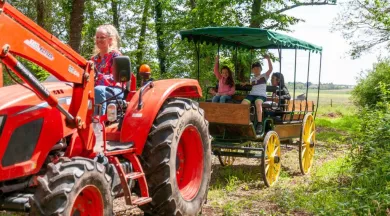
x,y
141,41
115,15
255,21
193,4
76,24
41,13
159,32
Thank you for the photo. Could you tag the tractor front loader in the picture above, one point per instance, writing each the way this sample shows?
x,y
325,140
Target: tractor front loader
x,y
58,158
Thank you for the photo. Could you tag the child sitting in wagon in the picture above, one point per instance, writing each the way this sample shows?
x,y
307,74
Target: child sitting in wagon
x,y
226,86
278,80
258,94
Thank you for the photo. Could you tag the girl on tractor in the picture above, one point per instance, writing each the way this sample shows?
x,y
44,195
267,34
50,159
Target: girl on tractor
x,y
106,49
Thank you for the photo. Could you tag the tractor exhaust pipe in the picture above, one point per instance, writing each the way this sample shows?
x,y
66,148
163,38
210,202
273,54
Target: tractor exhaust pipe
x,y
16,202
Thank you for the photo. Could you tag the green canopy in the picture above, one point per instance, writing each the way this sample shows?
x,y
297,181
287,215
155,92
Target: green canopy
x,y
249,38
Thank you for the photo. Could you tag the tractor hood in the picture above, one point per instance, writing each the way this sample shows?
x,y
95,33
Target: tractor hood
x,y
16,97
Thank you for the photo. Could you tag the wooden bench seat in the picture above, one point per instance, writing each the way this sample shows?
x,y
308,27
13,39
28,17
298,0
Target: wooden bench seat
x,y
226,113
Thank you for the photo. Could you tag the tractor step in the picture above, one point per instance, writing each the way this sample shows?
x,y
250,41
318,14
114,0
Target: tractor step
x,y
118,148
135,175
141,201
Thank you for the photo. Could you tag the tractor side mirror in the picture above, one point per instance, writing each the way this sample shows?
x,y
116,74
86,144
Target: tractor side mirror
x,y
122,72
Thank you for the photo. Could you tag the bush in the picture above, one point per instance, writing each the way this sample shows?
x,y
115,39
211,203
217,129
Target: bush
x,y
366,92
371,155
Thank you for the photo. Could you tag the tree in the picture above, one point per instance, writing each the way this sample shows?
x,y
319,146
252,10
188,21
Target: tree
x,y
365,24
366,92
76,24
115,16
159,23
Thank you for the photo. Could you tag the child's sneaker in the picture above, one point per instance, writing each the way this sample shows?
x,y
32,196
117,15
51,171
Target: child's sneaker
x,y
259,128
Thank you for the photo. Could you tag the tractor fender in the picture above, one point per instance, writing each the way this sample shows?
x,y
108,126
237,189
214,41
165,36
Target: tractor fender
x,y
138,122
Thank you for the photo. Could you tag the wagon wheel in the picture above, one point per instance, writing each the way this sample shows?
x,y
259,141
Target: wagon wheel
x,y
227,160
270,161
307,144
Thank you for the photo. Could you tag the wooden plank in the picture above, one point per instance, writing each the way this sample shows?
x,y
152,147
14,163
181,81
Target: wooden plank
x,y
226,113
232,131
288,131
300,105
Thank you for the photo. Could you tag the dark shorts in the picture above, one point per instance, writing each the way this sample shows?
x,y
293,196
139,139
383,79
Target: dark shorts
x,y
253,98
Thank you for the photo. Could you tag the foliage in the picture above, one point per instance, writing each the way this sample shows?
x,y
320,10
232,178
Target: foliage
x,y
357,184
179,57
365,24
366,92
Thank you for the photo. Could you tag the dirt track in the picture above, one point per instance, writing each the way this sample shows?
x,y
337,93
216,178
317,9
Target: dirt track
x,y
249,189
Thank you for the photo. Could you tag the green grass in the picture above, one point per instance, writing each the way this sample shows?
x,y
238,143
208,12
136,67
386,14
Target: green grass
x,y
321,196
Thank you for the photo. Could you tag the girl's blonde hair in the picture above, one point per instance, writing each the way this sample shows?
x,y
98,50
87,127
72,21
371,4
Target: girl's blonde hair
x,y
112,33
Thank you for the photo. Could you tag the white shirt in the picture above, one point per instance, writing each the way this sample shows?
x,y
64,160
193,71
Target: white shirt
x,y
259,85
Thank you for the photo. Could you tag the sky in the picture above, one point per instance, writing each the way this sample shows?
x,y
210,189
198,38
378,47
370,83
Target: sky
x,y
337,66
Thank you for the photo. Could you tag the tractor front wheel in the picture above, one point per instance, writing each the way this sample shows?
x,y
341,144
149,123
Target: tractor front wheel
x,y
73,187
177,159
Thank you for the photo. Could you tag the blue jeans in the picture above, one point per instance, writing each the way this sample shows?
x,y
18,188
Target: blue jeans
x,y
221,99
101,94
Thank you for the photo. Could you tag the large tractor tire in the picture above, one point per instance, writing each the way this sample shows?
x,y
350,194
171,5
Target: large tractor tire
x,y
177,159
73,187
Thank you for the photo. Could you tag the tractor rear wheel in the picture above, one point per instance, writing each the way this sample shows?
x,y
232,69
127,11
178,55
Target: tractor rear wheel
x,y
73,187
177,159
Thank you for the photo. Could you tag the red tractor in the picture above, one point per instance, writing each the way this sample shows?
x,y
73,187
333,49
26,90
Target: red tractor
x,y
58,158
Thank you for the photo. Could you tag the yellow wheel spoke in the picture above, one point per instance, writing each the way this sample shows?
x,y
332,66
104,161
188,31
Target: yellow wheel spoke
x,y
311,135
274,153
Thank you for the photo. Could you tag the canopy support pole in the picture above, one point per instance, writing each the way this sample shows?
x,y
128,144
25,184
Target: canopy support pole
x,y
235,65
307,82
250,65
295,78
198,57
280,70
197,47
319,86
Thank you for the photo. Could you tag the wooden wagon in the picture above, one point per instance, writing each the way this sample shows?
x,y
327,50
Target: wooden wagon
x,y
232,125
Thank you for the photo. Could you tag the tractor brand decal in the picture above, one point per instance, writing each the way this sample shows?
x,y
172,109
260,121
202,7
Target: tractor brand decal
x,y
37,47
73,71
136,115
